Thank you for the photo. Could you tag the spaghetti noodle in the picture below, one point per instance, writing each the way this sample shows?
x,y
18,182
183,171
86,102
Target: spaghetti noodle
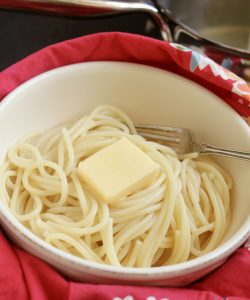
x,y
181,215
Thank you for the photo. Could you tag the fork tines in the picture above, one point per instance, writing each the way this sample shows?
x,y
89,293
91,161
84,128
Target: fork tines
x,y
162,134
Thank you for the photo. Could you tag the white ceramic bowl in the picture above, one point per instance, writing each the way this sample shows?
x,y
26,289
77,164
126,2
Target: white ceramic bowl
x,y
147,95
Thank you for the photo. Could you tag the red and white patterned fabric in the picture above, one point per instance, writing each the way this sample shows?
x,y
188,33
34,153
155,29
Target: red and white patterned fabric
x,y
23,276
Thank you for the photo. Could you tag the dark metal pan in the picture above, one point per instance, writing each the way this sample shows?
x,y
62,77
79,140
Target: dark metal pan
x,y
218,28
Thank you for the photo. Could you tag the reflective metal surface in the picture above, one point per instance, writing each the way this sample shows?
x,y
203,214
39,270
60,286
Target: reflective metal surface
x,y
219,29
88,8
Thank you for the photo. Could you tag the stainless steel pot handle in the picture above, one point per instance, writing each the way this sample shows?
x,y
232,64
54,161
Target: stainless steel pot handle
x,y
87,8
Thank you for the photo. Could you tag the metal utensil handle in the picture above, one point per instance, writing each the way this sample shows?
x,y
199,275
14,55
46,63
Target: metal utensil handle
x,y
207,149
80,8
90,8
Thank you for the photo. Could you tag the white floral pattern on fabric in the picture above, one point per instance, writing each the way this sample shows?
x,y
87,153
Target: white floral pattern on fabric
x,y
192,60
129,297
201,62
154,298
239,89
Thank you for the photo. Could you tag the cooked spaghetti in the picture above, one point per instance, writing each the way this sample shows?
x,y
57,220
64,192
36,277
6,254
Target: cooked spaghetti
x,y
182,214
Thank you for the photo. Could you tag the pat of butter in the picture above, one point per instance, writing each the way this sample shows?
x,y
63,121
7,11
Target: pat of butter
x,y
117,170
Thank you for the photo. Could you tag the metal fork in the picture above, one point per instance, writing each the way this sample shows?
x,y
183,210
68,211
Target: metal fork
x,y
184,141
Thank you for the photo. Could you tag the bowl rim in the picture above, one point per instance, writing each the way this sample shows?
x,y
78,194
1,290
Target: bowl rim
x,y
193,265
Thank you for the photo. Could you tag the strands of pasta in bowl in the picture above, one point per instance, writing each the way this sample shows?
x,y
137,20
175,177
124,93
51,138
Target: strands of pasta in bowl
x,y
181,214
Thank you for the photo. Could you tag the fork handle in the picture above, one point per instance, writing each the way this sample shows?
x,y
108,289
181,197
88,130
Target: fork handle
x,y
207,149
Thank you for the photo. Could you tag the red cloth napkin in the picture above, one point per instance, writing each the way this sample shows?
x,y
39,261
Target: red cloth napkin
x,y
23,276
